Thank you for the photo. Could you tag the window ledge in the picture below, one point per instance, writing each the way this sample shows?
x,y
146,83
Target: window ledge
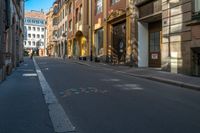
x,y
193,22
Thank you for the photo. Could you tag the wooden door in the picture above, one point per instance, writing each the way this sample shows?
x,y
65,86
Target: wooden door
x,y
155,44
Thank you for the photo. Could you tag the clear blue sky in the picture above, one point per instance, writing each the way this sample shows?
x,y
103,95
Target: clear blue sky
x,y
38,5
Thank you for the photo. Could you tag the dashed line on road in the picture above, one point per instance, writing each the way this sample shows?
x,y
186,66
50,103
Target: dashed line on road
x,y
59,118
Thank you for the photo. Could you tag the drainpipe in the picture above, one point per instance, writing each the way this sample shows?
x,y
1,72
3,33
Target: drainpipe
x,y
91,40
169,49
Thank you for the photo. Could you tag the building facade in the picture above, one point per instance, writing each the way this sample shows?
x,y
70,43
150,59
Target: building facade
x,y
168,35
70,28
49,32
11,35
35,32
160,34
113,31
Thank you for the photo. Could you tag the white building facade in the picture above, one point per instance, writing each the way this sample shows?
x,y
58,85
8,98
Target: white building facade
x,y
35,33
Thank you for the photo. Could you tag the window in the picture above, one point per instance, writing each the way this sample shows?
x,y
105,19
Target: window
x,y
80,13
42,43
155,42
29,43
66,26
29,35
70,8
42,36
33,43
114,1
197,6
33,21
63,14
99,6
29,21
33,35
33,28
76,15
24,42
42,29
29,28
38,36
38,29
99,41
70,25
41,22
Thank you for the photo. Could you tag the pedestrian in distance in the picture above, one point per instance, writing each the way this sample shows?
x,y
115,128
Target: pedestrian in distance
x,y
32,55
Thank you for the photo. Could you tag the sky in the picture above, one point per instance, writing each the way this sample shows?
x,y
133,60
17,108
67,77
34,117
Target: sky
x,y
38,5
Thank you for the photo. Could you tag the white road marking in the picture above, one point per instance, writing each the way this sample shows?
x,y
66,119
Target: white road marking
x,y
29,75
59,118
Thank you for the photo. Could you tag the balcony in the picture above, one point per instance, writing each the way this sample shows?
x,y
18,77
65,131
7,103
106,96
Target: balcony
x,y
148,8
142,2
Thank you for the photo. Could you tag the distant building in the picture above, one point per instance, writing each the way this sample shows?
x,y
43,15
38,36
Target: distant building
x,y
34,25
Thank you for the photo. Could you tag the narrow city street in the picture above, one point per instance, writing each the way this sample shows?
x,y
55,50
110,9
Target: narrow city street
x,y
101,100
100,66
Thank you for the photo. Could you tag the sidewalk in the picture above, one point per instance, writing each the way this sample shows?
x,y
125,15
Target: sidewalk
x,y
152,74
23,109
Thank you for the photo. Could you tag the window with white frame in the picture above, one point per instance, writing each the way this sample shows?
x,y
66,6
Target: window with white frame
x,y
38,29
33,43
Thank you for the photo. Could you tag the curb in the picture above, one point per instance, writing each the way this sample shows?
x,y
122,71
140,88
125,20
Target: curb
x,y
81,63
154,78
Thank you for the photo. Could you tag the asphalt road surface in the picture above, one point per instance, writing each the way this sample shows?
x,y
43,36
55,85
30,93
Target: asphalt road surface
x,y
101,100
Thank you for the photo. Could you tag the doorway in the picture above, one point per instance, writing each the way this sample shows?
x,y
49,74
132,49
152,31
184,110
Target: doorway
x,y
155,42
196,61
119,43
